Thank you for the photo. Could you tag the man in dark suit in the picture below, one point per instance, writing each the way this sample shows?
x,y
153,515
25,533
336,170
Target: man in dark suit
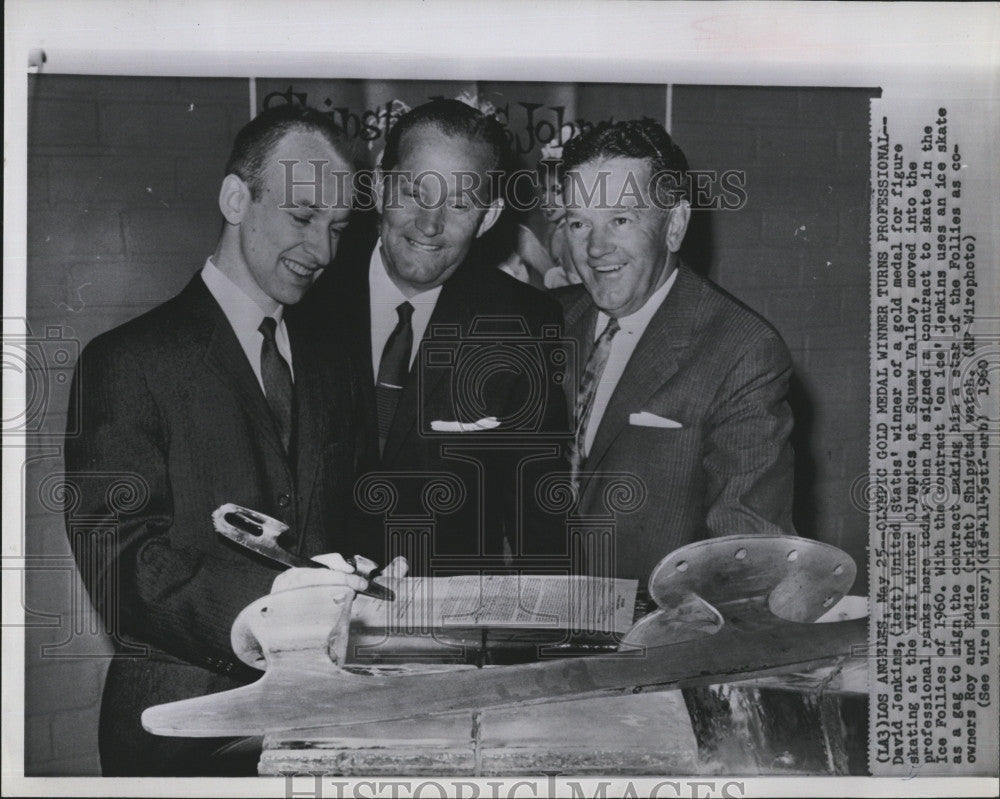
x,y
684,387
447,342
210,398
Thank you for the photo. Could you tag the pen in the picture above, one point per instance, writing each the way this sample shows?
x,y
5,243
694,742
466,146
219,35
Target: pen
x,y
259,533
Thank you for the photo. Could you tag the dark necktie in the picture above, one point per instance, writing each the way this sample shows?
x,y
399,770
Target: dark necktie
x,y
585,397
392,371
277,379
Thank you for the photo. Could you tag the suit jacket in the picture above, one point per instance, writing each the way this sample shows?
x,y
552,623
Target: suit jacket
x,y
171,399
487,518
721,371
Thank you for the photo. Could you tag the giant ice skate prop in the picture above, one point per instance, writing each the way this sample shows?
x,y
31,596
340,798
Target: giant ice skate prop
x,y
732,608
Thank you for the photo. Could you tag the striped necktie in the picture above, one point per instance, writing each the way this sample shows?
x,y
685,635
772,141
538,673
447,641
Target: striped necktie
x,y
277,378
392,371
585,397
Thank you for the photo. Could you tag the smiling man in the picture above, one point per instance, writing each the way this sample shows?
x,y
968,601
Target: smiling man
x,y
684,387
439,190
214,397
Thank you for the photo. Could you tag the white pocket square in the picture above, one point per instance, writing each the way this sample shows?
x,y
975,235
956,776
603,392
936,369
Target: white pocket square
x,y
647,419
488,423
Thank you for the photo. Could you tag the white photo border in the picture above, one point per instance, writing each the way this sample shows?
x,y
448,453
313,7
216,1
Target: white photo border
x,y
926,50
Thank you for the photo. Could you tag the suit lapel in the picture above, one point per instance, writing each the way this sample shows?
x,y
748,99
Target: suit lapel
x,y
311,418
580,318
356,307
342,311
654,361
225,357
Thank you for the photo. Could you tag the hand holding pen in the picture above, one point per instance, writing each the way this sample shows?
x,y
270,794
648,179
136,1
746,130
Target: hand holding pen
x,y
258,532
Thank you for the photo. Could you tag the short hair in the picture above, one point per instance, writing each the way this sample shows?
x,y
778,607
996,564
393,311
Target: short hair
x,y
634,138
255,142
452,118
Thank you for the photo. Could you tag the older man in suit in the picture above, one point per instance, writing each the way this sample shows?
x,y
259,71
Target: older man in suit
x,y
684,387
214,397
446,343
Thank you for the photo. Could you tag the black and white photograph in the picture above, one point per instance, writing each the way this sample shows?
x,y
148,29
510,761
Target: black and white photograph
x,y
514,408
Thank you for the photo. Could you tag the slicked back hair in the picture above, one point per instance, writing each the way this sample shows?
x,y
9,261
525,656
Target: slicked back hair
x,y
255,142
452,118
644,139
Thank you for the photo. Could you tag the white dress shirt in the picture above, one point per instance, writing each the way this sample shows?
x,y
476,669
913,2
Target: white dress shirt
x,y
245,316
384,297
622,347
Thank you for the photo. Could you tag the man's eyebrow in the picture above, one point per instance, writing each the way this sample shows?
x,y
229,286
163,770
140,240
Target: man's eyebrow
x,y
302,205
629,203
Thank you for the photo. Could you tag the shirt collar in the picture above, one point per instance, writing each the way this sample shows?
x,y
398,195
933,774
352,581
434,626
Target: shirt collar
x,y
243,313
637,321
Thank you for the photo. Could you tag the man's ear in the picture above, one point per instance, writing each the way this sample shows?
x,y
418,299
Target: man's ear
x,y
490,217
234,199
677,225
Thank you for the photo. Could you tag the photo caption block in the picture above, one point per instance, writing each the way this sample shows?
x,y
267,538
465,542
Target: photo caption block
x,y
935,431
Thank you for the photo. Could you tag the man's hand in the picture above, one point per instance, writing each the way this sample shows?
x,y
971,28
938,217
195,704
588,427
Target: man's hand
x,y
397,568
337,572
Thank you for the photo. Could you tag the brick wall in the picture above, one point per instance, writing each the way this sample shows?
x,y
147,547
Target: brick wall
x,y
798,254
123,175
